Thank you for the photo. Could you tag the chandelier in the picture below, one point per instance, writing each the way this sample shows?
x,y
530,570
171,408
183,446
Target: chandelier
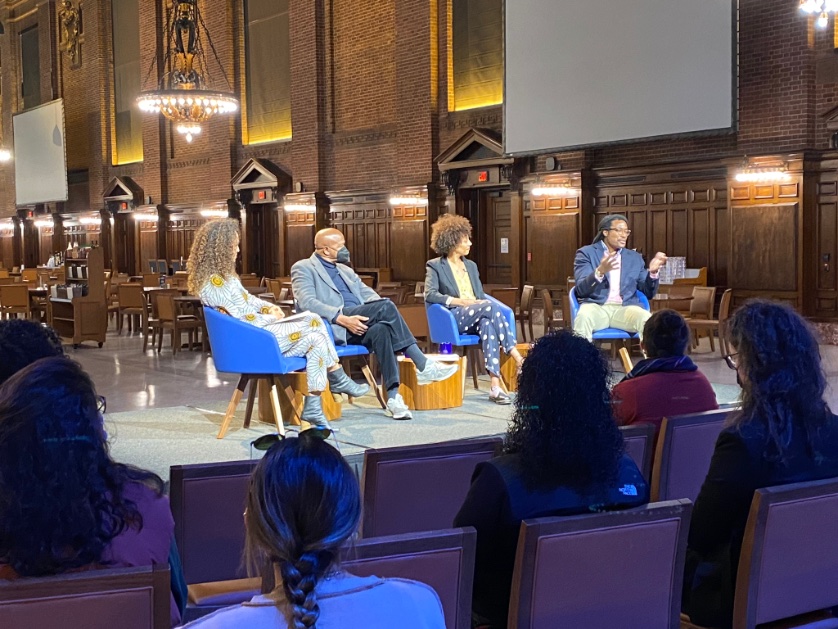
x,y
822,7
183,95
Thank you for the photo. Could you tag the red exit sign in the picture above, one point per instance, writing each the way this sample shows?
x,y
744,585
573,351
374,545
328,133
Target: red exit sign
x,y
483,176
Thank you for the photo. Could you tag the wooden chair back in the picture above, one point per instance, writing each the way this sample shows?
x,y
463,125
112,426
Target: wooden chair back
x,y
150,280
506,296
250,280
130,598
703,303
29,275
166,310
549,321
416,318
154,297
564,573
525,310
130,295
4,273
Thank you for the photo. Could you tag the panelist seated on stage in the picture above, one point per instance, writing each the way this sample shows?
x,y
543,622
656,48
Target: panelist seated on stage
x,y
325,285
608,277
453,281
212,277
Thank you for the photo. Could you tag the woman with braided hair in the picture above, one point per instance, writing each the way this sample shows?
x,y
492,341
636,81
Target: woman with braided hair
x,y
303,506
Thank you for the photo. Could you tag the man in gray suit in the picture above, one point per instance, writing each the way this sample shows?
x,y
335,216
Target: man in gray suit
x,y
325,285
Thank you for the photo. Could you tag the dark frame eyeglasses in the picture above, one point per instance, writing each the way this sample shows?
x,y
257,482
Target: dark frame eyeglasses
x,y
101,404
622,232
266,442
731,361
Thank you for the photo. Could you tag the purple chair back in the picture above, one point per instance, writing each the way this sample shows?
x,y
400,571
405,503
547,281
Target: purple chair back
x,y
419,488
685,447
442,559
639,439
207,502
617,569
789,560
128,598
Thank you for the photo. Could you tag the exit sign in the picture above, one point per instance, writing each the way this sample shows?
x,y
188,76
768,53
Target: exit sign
x,y
483,176
261,195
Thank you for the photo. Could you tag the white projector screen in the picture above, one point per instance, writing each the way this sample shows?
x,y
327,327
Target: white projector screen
x,y
40,155
595,71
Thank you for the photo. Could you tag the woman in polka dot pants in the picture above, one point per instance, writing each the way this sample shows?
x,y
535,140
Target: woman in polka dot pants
x,y
453,281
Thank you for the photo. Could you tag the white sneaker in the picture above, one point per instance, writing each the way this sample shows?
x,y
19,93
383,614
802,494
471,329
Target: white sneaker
x,y
398,408
435,371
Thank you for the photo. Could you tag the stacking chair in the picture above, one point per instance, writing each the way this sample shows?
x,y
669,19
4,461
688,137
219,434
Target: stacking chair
x,y
684,449
604,570
442,559
640,442
207,501
14,301
151,280
419,488
608,334
132,304
443,329
709,325
128,598
171,319
701,309
238,347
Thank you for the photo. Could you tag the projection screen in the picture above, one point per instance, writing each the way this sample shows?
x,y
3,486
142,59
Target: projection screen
x,y
588,72
40,156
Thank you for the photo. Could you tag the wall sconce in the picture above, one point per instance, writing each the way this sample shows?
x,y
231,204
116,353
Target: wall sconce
x,y
5,155
299,207
7,226
554,190
43,223
90,220
762,174
214,213
408,201
139,216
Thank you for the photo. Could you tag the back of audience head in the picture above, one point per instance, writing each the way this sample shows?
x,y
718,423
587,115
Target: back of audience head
x,y
562,425
665,334
22,342
304,503
779,369
61,497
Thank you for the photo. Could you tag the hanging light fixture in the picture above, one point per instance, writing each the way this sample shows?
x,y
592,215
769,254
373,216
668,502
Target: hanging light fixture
x,y
765,173
821,8
184,95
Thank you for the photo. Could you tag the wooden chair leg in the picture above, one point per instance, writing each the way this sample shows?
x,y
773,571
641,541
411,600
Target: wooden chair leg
x,y
280,427
374,385
231,407
251,396
473,351
710,335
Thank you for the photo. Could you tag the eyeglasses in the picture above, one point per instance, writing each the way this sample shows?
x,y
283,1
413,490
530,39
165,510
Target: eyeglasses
x,y
732,361
622,232
266,442
101,404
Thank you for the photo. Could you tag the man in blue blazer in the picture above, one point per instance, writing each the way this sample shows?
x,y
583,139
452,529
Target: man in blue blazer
x,y
325,285
608,277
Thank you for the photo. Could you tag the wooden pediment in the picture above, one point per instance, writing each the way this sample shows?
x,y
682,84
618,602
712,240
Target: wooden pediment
x,y
477,148
123,189
260,173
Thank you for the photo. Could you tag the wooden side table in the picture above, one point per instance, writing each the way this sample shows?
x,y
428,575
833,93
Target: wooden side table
x,y
295,384
437,395
509,368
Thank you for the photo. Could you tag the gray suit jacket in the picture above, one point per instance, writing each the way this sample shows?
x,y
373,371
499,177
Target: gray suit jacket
x,y
314,290
440,283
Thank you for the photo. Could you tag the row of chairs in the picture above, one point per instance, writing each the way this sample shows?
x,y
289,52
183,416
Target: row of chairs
x,y
156,312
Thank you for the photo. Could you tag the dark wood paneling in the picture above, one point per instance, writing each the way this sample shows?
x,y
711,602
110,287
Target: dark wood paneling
x,y
147,231
408,258
552,241
299,241
7,248
181,234
765,255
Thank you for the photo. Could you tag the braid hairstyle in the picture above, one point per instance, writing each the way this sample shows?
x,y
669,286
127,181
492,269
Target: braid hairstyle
x,y
304,503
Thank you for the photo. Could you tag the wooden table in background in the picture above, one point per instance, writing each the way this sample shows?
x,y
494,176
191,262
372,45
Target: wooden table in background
x,y
437,395
662,301
509,368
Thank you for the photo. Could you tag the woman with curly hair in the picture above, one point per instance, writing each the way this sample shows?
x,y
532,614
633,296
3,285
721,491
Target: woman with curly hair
x,y
212,277
303,507
784,433
563,455
65,505
453,281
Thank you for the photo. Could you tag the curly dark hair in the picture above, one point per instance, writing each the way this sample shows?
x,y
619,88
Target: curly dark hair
x,y
665,333
448,231
562,425
304,503
61,495
780,369
22,342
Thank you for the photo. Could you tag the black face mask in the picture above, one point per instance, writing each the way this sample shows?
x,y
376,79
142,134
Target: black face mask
x,y
342,255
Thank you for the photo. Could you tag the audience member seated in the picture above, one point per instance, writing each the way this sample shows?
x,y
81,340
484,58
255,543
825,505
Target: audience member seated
x,y
784,433
65,505
304,504
212,277
563,455
452,280
22,342
667,382
325,284
608,277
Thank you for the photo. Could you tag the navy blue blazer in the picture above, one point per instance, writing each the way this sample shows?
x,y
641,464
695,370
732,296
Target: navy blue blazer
x,y
440,283
633,276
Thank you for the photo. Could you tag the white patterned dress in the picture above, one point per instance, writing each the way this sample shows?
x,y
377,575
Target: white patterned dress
x,y
305,336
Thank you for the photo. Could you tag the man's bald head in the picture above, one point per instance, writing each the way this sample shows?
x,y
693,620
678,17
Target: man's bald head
x,y
328,237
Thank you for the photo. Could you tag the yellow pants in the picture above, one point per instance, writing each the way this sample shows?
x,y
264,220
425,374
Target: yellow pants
x,y
593,317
